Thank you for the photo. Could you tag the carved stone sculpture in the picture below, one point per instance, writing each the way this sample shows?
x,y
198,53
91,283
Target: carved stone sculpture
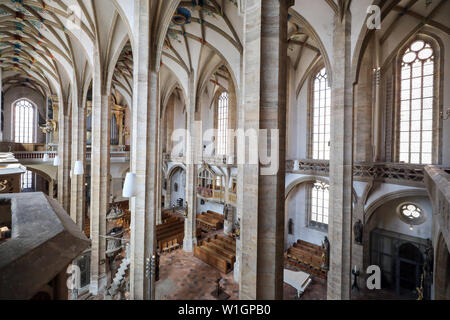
x,y
326,254
358,229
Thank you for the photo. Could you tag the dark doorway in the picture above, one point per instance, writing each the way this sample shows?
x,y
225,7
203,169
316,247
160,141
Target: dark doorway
x,y
409,271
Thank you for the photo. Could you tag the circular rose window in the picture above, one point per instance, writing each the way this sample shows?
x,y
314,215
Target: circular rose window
x,y
411,213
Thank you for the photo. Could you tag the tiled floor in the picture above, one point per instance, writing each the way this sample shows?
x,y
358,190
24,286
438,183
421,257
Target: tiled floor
x,y
317,290
184,277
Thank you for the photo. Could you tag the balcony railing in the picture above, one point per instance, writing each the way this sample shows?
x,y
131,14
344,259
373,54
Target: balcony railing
x,y
118,156
396,173
220,161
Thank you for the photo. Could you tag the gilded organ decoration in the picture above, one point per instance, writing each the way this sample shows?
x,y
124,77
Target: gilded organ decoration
x,y
51,126
210,184
4,185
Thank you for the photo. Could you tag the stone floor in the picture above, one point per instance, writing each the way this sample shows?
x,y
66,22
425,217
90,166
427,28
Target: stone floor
x,y
317,290
184,277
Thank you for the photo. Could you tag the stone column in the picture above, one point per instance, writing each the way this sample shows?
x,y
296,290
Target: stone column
x,y
144,146
1,101
51,189
378,112
262,227
364,148
77,197
64,155
159,161
192,145
341,164
100,181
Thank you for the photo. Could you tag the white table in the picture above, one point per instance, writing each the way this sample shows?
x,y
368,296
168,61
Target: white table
x,y
299,280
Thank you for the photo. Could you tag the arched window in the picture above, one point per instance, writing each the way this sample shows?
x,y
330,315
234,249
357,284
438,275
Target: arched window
x,y
321,108
319,205
222,124
416,104
27,182
24,122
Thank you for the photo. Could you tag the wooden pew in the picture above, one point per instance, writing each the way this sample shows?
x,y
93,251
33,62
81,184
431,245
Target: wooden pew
x,y
218,251
212,259
216,215
306,256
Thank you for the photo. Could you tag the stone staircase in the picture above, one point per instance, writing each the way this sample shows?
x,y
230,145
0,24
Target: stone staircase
x,y
119,278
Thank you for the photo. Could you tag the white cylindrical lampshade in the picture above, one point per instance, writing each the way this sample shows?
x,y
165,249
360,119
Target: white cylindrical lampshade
x,y
56,161
129,187
46,157
78,170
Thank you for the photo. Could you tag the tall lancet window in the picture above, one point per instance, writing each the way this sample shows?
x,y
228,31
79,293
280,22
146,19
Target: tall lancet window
x,y
319,204
321,117
24,122
222,124
416,105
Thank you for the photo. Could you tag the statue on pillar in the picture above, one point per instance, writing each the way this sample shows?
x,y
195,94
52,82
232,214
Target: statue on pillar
x,y
358,229
225,212
237,230
186,212
326,254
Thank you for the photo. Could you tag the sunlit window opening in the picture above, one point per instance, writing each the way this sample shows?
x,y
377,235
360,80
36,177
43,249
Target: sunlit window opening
x,y
223,124
319,203
27,182
24,124
321,117
416,106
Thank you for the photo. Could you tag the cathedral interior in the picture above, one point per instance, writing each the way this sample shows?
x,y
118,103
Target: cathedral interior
x,y
225,150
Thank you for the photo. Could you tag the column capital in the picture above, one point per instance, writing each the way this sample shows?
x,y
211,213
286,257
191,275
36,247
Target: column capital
x,y
289,3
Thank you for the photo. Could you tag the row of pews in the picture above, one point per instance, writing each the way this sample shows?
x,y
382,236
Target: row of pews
x,y
218,251
210,220
307,257
170,234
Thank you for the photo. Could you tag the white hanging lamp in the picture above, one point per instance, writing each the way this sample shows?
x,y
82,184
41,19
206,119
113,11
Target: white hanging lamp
x,y
56,161
129,187
46,157
78,170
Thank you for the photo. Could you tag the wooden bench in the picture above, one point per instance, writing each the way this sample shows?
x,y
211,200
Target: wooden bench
x,y
216,215
210,221
218,251
213,259
306,256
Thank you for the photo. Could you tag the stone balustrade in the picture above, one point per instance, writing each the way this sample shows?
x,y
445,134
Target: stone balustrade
x,y
30,156
437,181
396,173
219,161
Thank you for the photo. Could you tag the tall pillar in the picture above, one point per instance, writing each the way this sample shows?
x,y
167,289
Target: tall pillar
x,y
262,227
100,181
341,164
1,103
159,161
77,189
144,159
192,146
64,155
